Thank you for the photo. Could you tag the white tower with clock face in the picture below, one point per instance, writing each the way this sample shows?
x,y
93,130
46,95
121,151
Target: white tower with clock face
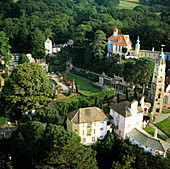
x,y
158,83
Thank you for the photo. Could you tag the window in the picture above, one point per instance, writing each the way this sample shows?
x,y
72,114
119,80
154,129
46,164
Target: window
x,y
94,131
75,130
119,132
159,96
101,129
93,139
88,125
83,132
75,124
101,137
84,140
102,122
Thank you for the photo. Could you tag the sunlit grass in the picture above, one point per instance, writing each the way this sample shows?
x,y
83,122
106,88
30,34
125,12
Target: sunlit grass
x,y
84,86
129,4
164,126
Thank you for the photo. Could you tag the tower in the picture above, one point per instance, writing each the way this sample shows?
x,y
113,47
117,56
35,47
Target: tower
x,y
137,47
48,46
115,31
158,83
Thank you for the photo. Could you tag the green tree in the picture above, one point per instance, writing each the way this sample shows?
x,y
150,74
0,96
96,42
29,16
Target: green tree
x,y
37,44
144,68
47,115
36,145
4,48
26,89
99,45
24,59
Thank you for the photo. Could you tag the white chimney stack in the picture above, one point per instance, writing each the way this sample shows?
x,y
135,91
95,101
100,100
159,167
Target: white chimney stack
x,y
155,133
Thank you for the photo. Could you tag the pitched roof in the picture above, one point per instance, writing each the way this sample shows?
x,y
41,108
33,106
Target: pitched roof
x,y
87,115
122,108
149,141
122,40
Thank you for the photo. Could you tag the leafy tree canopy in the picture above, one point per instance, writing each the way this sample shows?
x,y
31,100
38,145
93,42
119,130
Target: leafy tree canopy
x,y
24,59
26,89
4,48
37,145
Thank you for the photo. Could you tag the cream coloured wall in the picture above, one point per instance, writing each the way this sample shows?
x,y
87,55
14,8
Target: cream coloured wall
x,y
89,132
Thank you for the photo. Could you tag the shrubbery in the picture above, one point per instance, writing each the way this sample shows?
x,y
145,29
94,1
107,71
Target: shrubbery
x,y
86,74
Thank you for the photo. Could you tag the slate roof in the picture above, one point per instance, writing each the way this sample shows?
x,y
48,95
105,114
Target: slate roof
x,y
87,115
149,141
122,40
124,108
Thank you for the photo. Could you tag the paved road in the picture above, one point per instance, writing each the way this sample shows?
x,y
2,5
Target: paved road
x,y
57,80
161,117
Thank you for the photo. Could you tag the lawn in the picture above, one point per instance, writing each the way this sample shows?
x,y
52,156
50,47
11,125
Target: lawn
x,y
165,126
151,131
165,111
68,100
129,4
85,86
2,120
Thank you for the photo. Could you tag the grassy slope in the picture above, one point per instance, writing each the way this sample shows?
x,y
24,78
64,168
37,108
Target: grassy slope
x,y
165,126
85,86
129,4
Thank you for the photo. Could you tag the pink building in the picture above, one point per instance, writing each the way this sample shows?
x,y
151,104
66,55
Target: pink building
x,y
126,116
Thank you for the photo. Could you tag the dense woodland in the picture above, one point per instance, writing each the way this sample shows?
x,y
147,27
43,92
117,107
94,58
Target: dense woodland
x,y
27,23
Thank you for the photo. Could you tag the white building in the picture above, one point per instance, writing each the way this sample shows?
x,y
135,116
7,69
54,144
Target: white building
x,y
150,144
48,46
126,116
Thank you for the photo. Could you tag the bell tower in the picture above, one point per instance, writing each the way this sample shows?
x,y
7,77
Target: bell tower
x,y
158,83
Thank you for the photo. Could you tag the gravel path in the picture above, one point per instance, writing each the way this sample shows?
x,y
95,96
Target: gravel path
x,y
161,117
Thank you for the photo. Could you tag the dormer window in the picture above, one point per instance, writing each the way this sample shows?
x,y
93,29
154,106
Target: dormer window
x,y
120,40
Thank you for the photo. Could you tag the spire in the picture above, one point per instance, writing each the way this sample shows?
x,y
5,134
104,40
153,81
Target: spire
x,y
137,47
137,42
162,55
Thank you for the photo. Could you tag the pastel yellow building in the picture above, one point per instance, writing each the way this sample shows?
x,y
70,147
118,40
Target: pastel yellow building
x,y
89,123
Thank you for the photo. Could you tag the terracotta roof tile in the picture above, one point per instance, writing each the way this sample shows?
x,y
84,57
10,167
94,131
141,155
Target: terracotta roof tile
x,y
122,40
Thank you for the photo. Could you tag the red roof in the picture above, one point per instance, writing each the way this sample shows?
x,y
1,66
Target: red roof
x,y
122,40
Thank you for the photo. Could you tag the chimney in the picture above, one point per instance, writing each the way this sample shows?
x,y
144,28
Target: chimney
x,y
153,49
155,133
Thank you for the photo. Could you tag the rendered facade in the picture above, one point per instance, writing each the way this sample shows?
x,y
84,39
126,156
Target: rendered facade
x,y
89,123
126,116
